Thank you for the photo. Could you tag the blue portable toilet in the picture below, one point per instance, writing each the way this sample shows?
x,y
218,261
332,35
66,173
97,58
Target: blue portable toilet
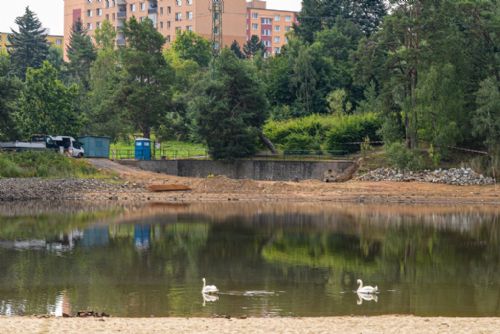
x,y
142,149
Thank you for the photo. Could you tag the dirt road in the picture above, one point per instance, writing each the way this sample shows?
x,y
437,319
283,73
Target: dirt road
x,y
224,189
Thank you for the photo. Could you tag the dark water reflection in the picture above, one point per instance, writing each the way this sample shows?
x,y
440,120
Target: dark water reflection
x,y
267,260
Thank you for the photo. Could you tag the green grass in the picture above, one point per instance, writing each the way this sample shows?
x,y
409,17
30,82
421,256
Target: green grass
x,y
171,149
47,164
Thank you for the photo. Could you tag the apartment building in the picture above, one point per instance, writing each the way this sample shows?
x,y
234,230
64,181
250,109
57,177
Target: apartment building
x,y
270,25
54,40
170,17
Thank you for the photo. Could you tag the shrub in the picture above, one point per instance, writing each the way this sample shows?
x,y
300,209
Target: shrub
x,y
332,131
350,129
403,158
297,143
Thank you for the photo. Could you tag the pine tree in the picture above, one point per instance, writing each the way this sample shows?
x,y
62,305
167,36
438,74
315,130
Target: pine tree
x,y
231,108
254,47
81,54
235,47
29,47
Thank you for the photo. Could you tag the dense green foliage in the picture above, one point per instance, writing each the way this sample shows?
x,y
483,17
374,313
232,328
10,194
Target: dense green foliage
x,y
420,72
46,105
231,108
337,134
43,164
10,86
81,54
28,45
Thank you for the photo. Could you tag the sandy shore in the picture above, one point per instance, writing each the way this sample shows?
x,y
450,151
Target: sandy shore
x,y
380,324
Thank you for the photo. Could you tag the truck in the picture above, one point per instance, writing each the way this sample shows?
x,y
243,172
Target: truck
x,y
64,144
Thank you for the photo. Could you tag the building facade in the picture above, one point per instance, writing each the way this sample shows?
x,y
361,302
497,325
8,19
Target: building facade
x,y
270,25
55,40
170,17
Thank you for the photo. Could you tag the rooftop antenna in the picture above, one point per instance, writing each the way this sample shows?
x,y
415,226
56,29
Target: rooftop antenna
x,y
217,8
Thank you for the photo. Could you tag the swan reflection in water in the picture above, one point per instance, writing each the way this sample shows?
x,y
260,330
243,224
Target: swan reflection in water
x,y
209,298
366,296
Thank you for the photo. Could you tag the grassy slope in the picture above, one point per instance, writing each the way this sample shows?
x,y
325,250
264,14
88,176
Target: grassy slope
x,y
45,164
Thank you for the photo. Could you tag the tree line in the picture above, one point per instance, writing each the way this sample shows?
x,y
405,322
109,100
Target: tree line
x,y
428,69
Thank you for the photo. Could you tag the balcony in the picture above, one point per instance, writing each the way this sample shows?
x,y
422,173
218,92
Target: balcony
x,y
121,15
120,41
121,2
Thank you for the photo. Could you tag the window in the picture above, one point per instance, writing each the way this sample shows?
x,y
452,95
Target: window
x,y
189,2
89,26
189,28
277,18
189,15
161,25
107,17
266,20
58,42
277,50
132,7
288,28
168,38
288,18
143,6
177,30
277,39
266,32
89,12
267,43
178,16
113,16
255,26
169,10
277,28
168,24
98,24
161,11
255,15
89,1
99,12
178,2
107,4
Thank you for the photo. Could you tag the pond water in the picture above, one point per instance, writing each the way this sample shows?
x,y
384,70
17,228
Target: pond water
x,y
266,260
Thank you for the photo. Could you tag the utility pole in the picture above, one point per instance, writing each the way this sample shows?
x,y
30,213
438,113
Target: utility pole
x,y
217,8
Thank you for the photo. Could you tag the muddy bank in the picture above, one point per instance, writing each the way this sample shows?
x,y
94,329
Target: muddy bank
x,y
379,324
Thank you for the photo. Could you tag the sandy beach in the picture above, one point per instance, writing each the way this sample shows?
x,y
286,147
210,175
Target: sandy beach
x,y
379,324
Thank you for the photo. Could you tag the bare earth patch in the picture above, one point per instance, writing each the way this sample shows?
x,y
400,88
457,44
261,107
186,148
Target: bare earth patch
x,y
224,189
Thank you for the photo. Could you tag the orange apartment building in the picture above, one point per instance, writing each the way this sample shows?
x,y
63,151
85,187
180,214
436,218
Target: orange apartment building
x,y
169,17
270,25
240,20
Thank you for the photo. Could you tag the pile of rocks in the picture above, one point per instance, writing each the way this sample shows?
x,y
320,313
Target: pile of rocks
x,y
456,176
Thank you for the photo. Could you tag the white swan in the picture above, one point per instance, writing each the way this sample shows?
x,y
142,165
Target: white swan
x,y
208,288
366,289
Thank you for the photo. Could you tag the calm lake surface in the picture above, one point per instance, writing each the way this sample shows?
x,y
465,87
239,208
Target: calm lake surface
x,y
266,260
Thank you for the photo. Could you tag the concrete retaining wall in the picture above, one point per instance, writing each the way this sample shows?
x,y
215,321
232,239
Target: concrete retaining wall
x,y
271,170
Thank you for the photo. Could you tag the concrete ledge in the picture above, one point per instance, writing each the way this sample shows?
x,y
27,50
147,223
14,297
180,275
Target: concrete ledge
x,y
270,170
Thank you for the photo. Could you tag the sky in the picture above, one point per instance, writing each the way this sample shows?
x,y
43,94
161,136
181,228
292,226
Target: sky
x,y
51,12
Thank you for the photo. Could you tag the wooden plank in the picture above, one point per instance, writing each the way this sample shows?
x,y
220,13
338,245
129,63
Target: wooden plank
x,y
168,187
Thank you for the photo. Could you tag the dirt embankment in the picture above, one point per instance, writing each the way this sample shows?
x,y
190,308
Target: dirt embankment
x,y
134,188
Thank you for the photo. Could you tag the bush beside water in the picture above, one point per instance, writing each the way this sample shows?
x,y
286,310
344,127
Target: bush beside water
x,y
43,164
329,132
